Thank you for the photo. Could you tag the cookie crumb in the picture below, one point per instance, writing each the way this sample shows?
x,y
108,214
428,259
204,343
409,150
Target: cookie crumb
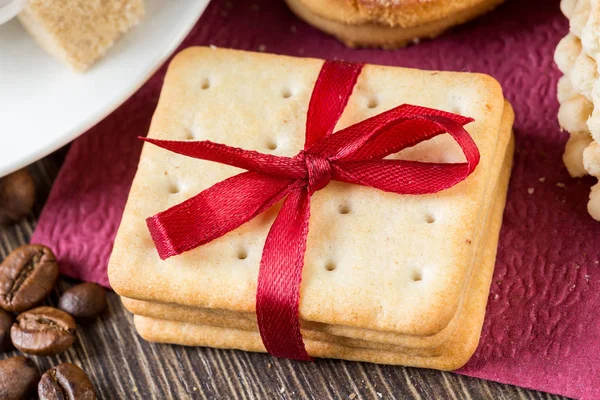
x,y
352,396
135,389
195,388
282,389
262,47
379,394
530,190
213,47
560,184
542,179
496,297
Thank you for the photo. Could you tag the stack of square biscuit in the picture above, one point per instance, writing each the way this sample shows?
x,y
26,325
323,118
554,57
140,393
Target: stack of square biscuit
x,y
577,57
388,278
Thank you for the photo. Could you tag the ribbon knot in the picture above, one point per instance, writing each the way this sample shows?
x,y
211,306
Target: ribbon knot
x,y
355,155
318,169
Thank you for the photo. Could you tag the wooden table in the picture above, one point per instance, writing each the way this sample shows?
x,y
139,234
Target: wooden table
x,y
123,366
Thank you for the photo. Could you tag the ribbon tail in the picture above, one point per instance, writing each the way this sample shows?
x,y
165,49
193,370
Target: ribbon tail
x,y
279,278
214,212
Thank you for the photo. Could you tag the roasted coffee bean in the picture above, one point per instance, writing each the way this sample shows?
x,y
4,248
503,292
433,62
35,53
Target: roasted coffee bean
x,y
17,196
6,321
65,381
27,276
43,331
84,301
18,378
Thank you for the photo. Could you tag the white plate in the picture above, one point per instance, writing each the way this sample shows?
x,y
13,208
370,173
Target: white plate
x,y
43,105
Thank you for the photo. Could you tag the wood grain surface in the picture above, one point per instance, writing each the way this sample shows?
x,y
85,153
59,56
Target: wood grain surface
x,y
123,366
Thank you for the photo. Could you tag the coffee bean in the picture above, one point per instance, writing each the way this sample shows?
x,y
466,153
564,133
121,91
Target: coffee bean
x,y
65,381
84,301
43,331
17,196
6,321
18,378
27,276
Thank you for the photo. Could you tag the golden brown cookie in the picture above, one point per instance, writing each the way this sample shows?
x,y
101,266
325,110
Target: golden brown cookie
x,y
385,23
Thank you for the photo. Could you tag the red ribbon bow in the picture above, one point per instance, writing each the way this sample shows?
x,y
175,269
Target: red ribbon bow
x,y
352,155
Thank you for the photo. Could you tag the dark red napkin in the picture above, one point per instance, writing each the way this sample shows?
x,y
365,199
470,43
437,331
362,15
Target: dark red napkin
x,y
541,329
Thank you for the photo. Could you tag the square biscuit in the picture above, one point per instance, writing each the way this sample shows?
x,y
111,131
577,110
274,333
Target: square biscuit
x,y
259,102
449,355
339,333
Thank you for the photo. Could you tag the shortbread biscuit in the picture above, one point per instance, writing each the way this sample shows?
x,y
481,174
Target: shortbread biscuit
x,y
451,355
386,24
319,331
431,236
79,32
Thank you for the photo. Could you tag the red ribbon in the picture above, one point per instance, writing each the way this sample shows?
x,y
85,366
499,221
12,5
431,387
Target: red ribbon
x,y
352,155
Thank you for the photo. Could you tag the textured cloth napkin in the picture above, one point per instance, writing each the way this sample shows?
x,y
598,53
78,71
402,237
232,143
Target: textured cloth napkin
x,y
541,330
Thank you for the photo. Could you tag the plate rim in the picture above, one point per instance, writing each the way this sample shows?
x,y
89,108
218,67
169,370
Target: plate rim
x,y
102,112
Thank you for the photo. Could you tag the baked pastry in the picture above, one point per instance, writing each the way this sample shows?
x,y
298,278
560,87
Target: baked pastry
x,y
385,23
578,92
414,271
79,32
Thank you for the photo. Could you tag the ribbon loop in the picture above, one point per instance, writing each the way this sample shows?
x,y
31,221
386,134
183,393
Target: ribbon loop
x,y
354,155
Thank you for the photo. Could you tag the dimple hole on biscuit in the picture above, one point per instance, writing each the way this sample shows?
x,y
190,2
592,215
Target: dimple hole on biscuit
x,y
416,275
344,209
372,103
205,84
242,253
272,144
174,187
189,134
330,266
430,218
286,93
